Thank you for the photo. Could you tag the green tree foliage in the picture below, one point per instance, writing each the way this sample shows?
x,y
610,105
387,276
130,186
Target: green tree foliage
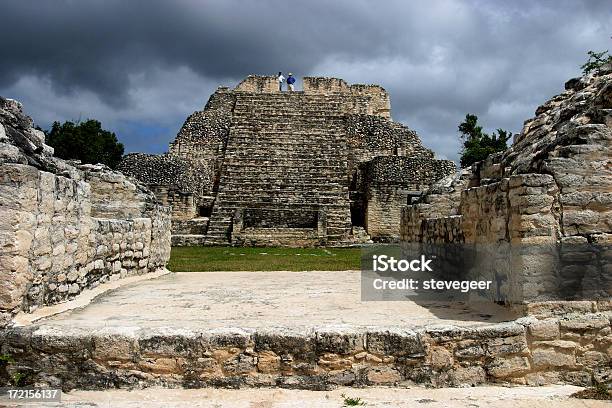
x,y
85,141
596,61
477,145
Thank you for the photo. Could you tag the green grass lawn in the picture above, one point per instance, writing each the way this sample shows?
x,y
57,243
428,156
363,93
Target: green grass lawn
x,y
202,259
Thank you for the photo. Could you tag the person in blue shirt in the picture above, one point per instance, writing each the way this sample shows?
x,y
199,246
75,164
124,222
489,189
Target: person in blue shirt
x,y
291,81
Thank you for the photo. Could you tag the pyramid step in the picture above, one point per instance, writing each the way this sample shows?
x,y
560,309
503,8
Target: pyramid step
x,y
282,185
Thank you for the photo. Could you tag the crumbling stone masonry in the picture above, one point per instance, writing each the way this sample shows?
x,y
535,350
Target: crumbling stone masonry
x,y
314,167
66,227
539,350
542,208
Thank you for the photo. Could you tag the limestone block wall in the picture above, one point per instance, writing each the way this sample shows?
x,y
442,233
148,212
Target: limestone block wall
x,y
514,223
383,212
441,201
195,226
542,208
573,349
324,85
42,229
64,229
379,104
113,195
390,180
259,84
183,204
373,98
53,248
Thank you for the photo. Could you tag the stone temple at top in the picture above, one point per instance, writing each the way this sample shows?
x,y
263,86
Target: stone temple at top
x,y
323,166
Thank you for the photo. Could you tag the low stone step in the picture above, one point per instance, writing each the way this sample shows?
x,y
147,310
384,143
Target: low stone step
x,y
249,184
289,145
305,150
188,240
306,165
321,140
271,130
264,181
331,110
278,178
231,201
322,125
279,148
321,169
262,191
263,187
287,138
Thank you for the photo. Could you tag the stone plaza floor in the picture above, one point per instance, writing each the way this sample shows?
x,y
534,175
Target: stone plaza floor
x,y
256,300
555,396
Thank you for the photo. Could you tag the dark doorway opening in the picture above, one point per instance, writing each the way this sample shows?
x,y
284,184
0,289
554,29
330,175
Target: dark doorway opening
x,y
358,209
205,210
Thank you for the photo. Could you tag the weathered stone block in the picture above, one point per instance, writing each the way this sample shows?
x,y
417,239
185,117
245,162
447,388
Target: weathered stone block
x,y
395,342
440,357
502,367
170,342
583,323
462,376
240,364
545,329
59,340
553,357
115,344
382,376
300,345
339,340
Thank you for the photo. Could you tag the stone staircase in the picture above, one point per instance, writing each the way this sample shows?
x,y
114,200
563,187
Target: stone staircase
x,y
286,152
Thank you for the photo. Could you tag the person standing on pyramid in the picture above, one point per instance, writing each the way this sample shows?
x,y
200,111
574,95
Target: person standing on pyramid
x,y
281,79
291,81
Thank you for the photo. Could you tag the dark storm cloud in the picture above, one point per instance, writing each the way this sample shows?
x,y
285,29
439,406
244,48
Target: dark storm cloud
x,y
96,45
153,62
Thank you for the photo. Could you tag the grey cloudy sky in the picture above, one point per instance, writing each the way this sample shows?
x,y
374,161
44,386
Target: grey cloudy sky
x,y
142,66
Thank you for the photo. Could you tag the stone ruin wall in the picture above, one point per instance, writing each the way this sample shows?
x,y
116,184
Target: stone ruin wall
x,y
66,228
175,181
391,181
573,349
545,203
364,99
368,99
258,84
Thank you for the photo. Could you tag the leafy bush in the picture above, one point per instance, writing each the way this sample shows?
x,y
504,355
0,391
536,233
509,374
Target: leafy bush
x,y
477,145
596,61
85,141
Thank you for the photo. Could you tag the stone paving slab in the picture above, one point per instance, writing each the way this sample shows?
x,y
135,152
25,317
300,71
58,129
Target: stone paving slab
x,y
256,300
375,397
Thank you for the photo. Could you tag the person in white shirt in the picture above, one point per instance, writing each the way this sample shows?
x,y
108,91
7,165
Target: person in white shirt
x,y
281,79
